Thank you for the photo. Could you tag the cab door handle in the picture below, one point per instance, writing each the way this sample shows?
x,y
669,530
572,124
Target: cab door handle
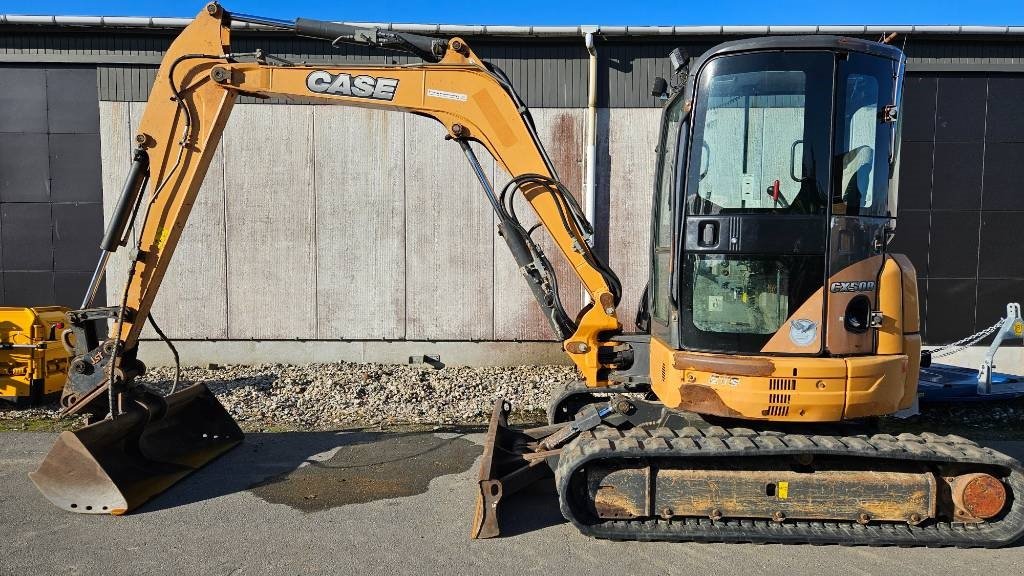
x,y
707,233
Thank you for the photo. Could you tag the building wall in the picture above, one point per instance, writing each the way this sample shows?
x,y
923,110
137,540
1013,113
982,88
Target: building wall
x,y
960,198
336,223
50,194
300,233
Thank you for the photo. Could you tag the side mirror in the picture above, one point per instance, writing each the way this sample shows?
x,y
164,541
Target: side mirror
x,y
659,89
679,59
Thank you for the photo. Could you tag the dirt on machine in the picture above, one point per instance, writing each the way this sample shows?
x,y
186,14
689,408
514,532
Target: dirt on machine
x,y
776,327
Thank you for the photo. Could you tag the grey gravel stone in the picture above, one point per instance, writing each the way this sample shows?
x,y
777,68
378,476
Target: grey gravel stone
x,y
331,395
324,396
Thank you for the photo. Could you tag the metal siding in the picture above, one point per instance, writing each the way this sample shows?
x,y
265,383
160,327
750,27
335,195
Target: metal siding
x,y
546,73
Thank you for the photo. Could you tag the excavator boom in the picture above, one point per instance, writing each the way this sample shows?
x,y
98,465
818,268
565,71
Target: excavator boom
x,y
196,87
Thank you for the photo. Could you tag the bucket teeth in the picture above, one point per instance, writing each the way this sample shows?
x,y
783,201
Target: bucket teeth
x,y
117,464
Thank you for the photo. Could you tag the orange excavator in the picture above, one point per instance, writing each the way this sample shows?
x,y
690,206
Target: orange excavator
x,y
776,328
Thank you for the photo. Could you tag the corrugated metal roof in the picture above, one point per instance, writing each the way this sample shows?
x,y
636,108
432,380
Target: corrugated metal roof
x,y
488,30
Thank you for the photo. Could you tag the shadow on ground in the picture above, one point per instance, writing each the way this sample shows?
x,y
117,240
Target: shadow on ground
x,y
534,508
313,471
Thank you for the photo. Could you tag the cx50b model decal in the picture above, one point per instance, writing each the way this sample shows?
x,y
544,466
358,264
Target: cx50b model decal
x,y
323,82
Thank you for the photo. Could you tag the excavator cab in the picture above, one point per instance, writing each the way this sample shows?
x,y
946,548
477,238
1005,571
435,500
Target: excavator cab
x,y
775,171
774,202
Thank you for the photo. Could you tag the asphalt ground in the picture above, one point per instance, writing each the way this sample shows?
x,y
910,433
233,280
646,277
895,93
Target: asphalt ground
x,y
364,502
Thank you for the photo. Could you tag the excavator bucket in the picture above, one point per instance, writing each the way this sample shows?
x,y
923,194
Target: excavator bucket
x,y
512,460
116,465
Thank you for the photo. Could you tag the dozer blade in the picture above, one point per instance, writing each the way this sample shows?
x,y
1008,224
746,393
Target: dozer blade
x,y
116,465
512,460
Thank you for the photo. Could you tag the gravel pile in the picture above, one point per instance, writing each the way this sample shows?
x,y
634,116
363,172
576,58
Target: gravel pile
x,y
320,396
328,395
325,396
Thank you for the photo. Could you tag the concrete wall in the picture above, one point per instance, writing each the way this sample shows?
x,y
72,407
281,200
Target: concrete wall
x,y
333,223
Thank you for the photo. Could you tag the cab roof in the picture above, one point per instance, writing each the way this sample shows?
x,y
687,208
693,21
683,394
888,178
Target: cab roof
x,y
815,42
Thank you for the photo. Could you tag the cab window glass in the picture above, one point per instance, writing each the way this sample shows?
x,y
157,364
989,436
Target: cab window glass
x,y
759,144
668,153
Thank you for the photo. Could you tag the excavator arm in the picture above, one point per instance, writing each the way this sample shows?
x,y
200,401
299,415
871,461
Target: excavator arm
x,y
196,87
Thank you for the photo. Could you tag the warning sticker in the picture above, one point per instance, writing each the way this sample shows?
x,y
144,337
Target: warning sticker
x,y
783,490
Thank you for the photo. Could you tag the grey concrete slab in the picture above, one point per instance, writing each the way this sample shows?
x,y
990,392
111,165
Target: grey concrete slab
x,y
450,238
22,99
116,154
370,503
75,168
196,278
24,168
625,179
359,173
269,216
516,314
201,352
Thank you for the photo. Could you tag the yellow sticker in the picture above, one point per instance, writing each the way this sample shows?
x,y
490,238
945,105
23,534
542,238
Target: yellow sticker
x,y
161,237
783,490
1018,328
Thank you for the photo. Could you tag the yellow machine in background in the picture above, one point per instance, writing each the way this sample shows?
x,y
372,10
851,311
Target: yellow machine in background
x,y
33,362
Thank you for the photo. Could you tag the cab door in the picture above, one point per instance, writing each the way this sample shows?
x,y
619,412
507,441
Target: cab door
x,y
859,208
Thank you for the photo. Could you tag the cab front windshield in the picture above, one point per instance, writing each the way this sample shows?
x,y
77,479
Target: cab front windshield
x,y
759,142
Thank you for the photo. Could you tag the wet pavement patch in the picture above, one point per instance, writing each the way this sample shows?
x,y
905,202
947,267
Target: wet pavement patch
x,y
368,466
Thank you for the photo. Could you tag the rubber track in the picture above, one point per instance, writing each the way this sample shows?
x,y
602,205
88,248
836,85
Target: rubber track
x,y
690,442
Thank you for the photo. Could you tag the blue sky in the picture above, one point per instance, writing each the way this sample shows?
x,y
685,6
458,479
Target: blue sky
x,y
554,12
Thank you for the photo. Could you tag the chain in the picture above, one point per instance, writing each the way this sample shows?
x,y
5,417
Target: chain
x,y
960,345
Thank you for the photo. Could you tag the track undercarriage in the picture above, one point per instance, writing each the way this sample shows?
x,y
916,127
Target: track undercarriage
x,y
626,468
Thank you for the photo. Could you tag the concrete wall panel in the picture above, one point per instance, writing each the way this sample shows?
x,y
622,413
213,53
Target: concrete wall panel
x,y
270,205
191,302
631,137
352,224
360,222
450,238
115,154
516,313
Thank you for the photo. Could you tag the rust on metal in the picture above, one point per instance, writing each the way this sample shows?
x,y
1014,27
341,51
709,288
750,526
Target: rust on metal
x,y
977,496
512,460
724,364
704,400
622,496
576,347
780,495
610,502
116,465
